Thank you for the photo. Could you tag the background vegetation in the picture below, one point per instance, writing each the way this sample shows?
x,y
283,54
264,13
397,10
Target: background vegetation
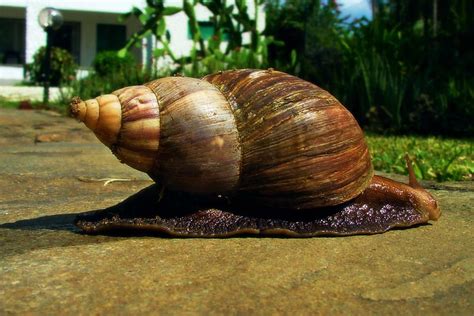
x,y
63,67
111,71
409,69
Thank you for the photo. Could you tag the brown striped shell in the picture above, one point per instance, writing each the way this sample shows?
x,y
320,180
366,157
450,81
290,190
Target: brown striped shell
x,y
270,136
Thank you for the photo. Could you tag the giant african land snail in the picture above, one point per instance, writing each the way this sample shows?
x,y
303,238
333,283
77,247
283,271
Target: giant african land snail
x,y
286,156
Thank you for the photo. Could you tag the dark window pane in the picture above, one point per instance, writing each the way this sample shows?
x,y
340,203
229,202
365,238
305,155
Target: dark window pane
x,y
68,37
111,37
12,41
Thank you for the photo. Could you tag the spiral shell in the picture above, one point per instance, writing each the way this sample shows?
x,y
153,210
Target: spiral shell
x,y
270,136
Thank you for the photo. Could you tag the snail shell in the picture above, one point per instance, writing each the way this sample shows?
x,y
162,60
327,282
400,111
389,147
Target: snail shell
x,y
278,141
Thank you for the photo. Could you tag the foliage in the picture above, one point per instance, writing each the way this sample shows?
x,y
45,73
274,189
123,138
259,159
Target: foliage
x,y
107,63
435,158
223,50
5,103
408,82
153,22
310,31
409,69
112,71
63,67
94,84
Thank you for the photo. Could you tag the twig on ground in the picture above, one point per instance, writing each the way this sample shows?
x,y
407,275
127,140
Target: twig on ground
x,y
106,180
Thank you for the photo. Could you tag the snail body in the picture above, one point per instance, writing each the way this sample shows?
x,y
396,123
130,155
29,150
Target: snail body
x,y
264,137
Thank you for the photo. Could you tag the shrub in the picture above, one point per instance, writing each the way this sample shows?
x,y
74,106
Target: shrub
x,y
63,67
107,63
94,85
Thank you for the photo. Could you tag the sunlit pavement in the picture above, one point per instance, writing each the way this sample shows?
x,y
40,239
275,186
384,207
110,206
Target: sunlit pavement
x,y
53,168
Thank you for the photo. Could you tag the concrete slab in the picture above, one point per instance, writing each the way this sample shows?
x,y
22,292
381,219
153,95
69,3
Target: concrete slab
x,y
48,267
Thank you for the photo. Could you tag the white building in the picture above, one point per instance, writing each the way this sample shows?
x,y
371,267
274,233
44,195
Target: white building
x,y
89,27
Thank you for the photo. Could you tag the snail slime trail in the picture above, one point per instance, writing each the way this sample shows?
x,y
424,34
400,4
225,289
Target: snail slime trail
x,y
245,152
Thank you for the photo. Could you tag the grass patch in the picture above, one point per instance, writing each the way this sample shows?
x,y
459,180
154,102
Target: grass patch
x,y
7,104
434,158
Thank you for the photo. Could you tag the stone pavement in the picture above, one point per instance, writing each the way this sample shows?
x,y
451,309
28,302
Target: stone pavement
x,y
52,168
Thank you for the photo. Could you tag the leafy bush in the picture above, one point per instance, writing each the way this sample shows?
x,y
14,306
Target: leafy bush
x,y
109,63
63,67
225,49
94,85
395,80
409,69
112,72
242,57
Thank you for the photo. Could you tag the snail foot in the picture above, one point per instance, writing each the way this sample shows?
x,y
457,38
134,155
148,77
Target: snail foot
x,y
183,215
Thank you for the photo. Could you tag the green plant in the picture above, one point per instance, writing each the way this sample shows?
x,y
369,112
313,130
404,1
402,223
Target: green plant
x,y
375,77
153,22
228,21
63,67
112,72
8,104
239,58
107,63
94,85
409,69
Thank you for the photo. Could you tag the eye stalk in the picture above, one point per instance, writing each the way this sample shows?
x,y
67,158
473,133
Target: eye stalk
x,y
424,198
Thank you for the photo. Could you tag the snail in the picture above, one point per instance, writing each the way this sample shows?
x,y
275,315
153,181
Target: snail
x,y
245,152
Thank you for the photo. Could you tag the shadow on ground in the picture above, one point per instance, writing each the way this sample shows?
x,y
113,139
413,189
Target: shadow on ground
x,y
45,232
62,222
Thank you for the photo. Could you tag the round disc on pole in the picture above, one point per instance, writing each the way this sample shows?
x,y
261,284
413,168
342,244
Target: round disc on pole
x,y
50,19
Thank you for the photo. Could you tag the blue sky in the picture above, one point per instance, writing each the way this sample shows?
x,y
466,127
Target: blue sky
x,y
355,8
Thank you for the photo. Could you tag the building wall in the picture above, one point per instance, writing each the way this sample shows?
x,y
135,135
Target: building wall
x,y
11,73
88,22
88,13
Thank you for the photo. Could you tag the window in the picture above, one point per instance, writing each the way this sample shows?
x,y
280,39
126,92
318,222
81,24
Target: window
x,y
111,37
207,30
68,37
12,41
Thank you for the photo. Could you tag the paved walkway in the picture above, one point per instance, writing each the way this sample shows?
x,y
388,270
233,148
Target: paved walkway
x,y
51,169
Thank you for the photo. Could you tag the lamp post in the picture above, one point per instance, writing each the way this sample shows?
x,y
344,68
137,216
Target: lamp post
x,y
50,20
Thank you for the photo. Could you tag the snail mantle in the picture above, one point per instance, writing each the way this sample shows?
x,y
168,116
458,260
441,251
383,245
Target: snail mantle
x,y
245,152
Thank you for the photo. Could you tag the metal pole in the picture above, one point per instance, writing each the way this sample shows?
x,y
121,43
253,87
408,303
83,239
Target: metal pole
x,y
47,66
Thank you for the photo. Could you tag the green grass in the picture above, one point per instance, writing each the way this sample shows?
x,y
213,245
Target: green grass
x,y
7,104
434,158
